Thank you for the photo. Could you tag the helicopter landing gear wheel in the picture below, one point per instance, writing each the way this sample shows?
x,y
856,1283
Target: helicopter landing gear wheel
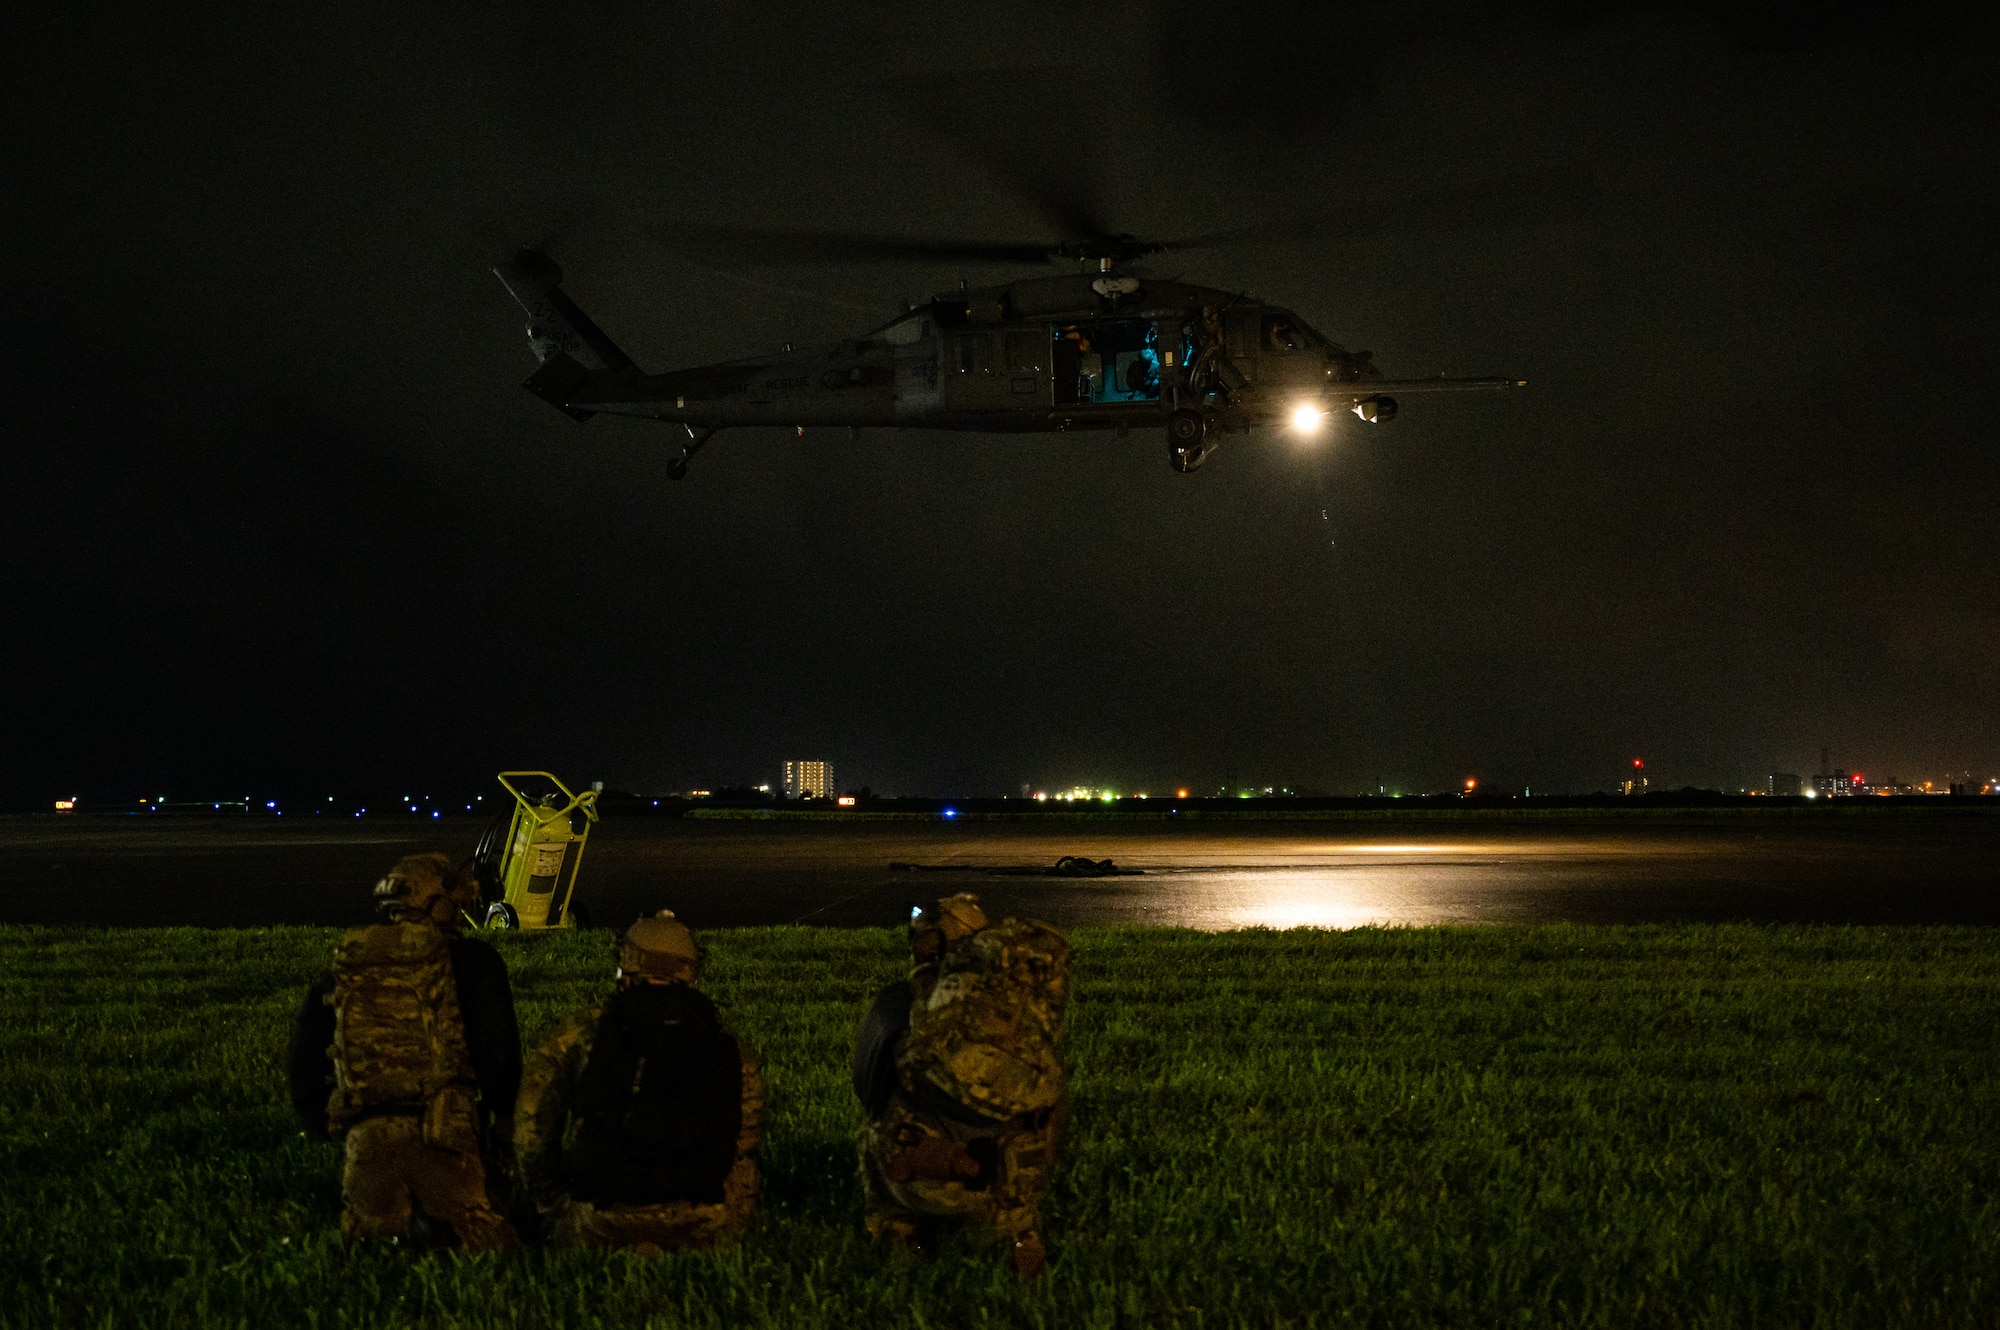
x,y
677,469
502,916
1187,440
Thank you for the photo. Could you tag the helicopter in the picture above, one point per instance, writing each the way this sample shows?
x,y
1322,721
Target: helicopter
x,y
1098,348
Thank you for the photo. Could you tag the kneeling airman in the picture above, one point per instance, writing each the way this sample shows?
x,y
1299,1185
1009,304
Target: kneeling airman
x,y
667,1102
960,1072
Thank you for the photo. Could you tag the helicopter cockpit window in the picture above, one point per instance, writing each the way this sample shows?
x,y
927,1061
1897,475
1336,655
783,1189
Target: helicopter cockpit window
x,y
1283,335
1111,360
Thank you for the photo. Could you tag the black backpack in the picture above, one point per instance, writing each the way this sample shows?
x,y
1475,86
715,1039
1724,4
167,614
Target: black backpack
x,y
875,1048
659,1103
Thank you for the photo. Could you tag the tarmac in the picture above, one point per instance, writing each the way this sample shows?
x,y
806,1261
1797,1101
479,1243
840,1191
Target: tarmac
x,y
249,871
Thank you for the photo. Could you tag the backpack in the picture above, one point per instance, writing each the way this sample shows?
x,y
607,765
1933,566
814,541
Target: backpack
x,y
398,1037
875,1074
659,1103
984,1045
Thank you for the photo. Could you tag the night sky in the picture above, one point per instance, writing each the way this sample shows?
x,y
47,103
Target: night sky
x,y
281,518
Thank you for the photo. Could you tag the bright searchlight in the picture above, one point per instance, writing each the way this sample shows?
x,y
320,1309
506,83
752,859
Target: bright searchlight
x,y
1307,418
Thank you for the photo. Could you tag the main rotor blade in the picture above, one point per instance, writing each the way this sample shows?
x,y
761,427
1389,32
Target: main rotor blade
x,y
496,228
1527,198
775,288
783,248
1028,128
580,211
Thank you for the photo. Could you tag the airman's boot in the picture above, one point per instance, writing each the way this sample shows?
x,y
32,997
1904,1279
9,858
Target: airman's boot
x,y
900,1235
1029,1254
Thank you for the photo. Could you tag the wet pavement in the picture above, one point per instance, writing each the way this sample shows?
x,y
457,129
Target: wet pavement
x,y
1200,874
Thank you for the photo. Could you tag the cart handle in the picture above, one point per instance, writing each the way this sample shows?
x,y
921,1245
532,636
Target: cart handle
x,y
587,801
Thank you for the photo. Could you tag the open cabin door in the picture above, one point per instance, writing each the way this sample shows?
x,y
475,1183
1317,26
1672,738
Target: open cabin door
x,y
1115,362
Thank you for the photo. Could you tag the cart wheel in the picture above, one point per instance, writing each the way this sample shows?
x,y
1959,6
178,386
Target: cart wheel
x,y
579,914
502,915
486,857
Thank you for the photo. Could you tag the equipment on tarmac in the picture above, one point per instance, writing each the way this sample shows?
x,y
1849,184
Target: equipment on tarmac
x,y
528,876
1077,865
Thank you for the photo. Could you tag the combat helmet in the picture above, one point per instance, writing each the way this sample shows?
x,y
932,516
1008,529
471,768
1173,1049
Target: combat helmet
x,y
659,948
934,930
423,888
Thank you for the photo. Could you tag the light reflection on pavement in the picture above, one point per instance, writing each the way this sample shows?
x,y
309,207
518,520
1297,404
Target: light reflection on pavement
x,y
1207,875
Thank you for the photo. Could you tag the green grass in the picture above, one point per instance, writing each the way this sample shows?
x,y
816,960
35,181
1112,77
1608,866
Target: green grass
x,y
1478,1127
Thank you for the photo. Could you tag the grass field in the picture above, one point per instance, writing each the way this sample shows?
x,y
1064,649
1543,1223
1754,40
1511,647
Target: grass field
x,y
1471,1127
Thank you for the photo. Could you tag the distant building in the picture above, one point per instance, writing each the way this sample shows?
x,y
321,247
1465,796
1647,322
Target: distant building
x,y
1784,785
1635,779
808,780
1834,784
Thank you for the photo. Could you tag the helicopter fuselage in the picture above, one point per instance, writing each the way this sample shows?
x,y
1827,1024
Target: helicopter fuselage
x,y
1082,351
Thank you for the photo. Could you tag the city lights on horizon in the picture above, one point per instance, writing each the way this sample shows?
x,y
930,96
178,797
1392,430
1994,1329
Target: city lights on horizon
x,y
808,779
1081,794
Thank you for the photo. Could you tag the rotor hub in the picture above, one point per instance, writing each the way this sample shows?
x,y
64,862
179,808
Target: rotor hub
x,y
1106,252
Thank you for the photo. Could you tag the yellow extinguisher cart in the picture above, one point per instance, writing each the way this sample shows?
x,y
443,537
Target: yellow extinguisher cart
x,y
528,875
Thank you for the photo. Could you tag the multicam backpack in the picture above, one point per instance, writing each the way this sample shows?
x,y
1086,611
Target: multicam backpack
x,y
985,1042
398,1039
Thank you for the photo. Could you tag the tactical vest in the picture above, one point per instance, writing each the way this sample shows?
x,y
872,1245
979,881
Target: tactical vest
x,y
398,1037
985,1042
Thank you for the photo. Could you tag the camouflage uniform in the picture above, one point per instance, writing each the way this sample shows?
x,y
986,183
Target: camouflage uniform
x,y
433,1160
971,1126
386,1033
548,1090
917,1164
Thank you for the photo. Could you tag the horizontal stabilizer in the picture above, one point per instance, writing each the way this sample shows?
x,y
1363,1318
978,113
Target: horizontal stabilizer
x,y
557,382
